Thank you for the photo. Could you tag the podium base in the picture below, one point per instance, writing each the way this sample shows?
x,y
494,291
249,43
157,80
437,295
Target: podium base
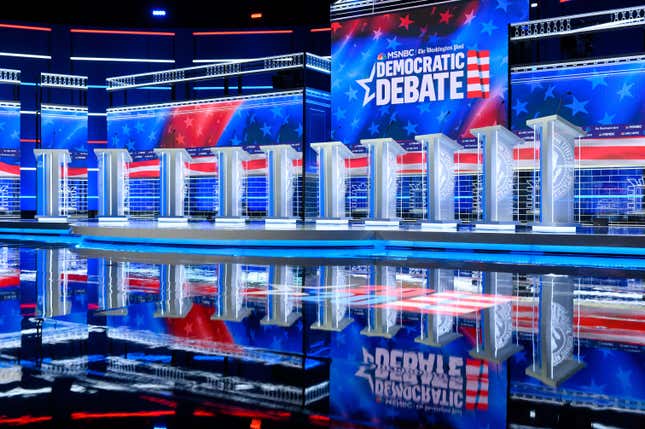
x,y
53,219
444,340
230,221
554,229
241,315
562,373
280,223
387,333
113,220
332,224
382,223
181,220
291,319
344,323
439,226
494,226
502,355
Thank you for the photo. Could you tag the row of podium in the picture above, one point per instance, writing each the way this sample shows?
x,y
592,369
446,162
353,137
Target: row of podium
x,y
555,136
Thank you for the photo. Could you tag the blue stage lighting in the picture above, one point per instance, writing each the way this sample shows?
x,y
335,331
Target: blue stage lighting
x,y
158,12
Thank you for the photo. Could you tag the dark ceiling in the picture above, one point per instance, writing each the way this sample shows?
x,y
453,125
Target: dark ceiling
x,y
185,13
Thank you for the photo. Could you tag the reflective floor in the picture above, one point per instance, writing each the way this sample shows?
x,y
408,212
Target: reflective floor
x,y
102,340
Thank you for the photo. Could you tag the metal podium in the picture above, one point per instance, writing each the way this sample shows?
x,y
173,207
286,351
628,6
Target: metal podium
x,y
438,330
113,184
497,143
381,322
280,183
172,189
113,287
495,343
331,181
557,138
175,301
553,363
382,160
440,178
51,171
280,305
333,307
230,171
54,297
230,294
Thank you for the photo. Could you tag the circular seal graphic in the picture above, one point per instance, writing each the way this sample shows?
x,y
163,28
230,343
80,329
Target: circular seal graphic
x,y
563,169
503,328
561,334
444,324
446,184
504,172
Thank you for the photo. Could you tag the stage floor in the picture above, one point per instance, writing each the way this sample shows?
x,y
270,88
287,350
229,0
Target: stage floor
x,y
358,239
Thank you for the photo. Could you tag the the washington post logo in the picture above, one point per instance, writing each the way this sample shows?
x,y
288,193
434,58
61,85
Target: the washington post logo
x,y
425,381
411,76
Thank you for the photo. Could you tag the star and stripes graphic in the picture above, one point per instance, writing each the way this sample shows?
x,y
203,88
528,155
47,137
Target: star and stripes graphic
x,y
478,74
476,384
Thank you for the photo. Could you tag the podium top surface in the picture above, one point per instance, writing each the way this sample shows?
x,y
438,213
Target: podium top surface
x,y
64,152
505,132
574,129
345,151
390,141
182,151
234,149
125,152
438,137
275,147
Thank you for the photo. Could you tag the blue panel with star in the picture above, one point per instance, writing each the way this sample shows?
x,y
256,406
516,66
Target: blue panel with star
x,y
65,129
10,133
603,98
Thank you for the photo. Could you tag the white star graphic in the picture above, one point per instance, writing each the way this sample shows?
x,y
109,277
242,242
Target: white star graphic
x,y
364,84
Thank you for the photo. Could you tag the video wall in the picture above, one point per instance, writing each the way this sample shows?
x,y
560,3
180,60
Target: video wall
x,y
285,117
9,158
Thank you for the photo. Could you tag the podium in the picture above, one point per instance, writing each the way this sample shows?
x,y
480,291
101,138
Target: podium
x,y
381,322
280,182
175,302
51,283
113,184
331,181
553,362
172,189
440,178
280,305
495,344
382,176
113,287
230,294
497,143
51,173
333,306
557,138
230,171
438,330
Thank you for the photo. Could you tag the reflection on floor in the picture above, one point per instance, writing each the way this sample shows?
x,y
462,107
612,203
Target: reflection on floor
x,y
101,340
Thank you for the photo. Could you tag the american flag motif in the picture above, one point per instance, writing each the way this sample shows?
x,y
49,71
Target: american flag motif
x,y
476,384
448,303
478,74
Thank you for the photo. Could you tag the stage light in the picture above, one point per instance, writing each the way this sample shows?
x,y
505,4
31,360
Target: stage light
x,y
158,12
256,15
534,4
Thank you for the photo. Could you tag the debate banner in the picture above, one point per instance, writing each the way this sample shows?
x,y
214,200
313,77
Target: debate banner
x,y
438,68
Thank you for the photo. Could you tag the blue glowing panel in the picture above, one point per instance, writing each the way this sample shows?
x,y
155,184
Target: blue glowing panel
x,y
62,128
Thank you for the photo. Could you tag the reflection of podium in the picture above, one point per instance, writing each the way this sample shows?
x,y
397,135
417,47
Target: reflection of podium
x,y
553,362
53,293
497,143
331,181
280,182
172,178
113,184
175,302
230,171
381,322
440,178
332,309
438,330
279,297
382,178
495,344
557,138
113,287
230,294
51,172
